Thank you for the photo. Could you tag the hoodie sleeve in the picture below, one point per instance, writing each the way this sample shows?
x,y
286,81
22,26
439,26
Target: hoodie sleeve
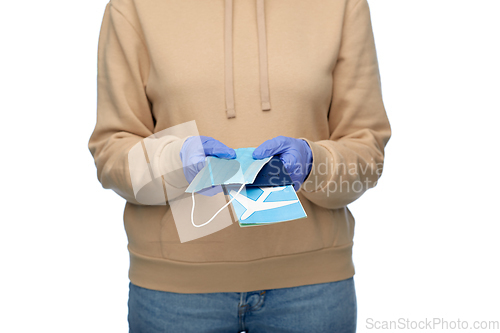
x,y
351,161
126,152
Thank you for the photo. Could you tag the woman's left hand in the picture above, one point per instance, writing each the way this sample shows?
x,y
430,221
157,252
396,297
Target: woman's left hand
x,y
295,154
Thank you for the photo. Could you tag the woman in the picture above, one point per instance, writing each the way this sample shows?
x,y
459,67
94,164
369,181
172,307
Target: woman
x,y
297,79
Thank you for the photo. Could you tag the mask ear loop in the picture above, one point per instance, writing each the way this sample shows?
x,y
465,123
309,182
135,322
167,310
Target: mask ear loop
x,y
192,209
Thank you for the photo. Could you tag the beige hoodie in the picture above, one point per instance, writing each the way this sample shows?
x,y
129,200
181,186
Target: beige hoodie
x,y
246,71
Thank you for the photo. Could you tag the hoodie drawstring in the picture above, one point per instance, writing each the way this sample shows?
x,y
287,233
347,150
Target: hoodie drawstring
x,y
228,58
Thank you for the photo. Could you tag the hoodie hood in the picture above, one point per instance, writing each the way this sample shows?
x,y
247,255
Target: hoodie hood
x,y
228,58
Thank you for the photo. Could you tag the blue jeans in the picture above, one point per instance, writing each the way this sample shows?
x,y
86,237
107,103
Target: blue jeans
x,y
317,308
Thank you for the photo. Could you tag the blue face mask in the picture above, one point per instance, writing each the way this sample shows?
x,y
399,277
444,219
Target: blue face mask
x,y
217,171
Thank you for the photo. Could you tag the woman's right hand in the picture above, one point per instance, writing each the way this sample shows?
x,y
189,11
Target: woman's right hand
x,y
196,148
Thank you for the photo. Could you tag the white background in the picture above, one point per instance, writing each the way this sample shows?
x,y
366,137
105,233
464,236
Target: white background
x,y
426,242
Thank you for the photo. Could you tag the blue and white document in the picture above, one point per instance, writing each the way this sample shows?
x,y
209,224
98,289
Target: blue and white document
x,y
265,205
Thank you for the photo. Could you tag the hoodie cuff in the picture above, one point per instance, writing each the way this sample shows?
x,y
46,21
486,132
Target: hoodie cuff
x,y
169,164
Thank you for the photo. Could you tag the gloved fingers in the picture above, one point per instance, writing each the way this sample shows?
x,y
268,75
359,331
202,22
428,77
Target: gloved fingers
x,y
289,160
193,166
296,179
216,148
295,166
200,164
272,147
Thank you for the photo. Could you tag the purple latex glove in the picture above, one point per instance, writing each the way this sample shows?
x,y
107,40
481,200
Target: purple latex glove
x,y
193,153
295,154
